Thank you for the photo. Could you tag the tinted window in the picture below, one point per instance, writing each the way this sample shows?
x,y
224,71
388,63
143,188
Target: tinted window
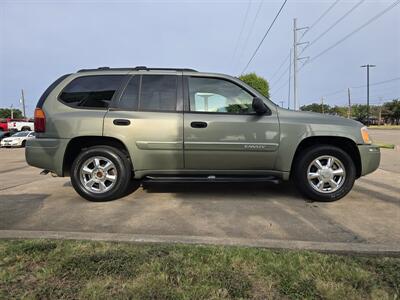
x,y
91,91
130,97
218,96
158,92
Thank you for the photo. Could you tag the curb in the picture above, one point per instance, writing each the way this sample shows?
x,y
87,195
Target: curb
x,y
332,247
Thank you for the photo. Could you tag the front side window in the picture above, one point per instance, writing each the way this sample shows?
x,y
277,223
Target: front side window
x,y
158,93
218,96
91,91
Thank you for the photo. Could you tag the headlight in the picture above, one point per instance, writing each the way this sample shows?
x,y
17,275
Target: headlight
x,y
365,135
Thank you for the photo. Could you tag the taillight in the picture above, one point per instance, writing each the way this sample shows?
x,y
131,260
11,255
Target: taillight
x,y
40,120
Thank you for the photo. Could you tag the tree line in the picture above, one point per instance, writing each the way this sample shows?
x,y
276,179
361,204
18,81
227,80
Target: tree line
x,y
6,113
387,113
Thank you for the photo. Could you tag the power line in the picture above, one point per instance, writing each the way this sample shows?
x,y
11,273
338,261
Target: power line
x,y
354,31
265,35
251,30
278,89
362,86
280,66
286,82
333,25
320,17
280,77
377,83
241,31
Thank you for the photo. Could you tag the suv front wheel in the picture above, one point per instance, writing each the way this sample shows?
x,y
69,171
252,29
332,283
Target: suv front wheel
x,y
324,173
101,173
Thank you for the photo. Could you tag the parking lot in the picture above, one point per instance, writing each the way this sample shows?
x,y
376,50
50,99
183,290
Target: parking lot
x,y
369,214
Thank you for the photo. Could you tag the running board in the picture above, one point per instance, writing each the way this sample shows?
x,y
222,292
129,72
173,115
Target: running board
x,y
212,178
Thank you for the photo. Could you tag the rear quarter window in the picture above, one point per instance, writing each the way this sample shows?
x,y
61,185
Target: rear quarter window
x,y
91,91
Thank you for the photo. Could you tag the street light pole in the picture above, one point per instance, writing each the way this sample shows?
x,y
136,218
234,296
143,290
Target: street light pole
x,y
368,66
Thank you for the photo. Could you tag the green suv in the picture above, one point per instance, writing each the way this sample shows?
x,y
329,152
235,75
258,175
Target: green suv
x,y
107,128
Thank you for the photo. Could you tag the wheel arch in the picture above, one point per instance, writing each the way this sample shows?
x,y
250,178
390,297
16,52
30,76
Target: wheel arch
x,y
344,143
77,144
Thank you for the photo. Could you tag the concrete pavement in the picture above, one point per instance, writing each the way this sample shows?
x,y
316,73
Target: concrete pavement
x,y
370,214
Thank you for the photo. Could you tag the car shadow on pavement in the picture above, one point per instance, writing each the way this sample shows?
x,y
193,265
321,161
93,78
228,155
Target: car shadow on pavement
x,y
17,208
375,194
233,190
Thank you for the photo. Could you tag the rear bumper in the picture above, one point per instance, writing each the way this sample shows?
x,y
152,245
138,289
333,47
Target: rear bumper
x,y
45,153
370,158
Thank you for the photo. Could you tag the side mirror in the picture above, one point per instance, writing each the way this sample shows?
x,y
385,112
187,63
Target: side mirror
x,y
259,106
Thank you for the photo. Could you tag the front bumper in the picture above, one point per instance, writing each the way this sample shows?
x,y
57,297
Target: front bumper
x,y
46,153
10,144
370,158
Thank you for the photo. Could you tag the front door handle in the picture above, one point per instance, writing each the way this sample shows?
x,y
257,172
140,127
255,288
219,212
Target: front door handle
x,y
121,122
198,124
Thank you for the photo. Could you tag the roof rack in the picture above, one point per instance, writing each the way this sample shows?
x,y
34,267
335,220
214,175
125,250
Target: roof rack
x,y
138,68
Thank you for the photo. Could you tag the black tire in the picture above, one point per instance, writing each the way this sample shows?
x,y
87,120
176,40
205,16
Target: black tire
x,y
307,156
122,166
23,144
25,128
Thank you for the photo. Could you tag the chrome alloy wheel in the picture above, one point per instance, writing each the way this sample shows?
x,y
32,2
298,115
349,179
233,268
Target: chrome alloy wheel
x,y
98,174
326,174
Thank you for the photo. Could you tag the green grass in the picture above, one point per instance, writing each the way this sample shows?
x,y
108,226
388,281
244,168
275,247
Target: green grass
x,y
99,270
384,127
386,146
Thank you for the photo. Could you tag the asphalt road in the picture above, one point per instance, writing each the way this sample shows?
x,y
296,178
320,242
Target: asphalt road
x,y
390,160
369,214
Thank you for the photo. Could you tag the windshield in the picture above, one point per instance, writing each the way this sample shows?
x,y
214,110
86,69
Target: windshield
x,y
19,134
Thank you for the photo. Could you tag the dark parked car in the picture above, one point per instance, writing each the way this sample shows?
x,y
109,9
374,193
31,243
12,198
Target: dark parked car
x,y
4,134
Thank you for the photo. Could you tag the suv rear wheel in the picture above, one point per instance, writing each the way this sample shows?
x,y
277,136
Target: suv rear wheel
x,y
101,173
324,173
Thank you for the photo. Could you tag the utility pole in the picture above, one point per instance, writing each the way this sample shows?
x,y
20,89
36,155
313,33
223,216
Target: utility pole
x,y
349,110
322,105
12,112
294,64
368,66
295,59
23,103
290,76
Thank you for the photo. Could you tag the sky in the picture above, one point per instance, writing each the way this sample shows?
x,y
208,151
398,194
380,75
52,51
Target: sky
x,y
42,40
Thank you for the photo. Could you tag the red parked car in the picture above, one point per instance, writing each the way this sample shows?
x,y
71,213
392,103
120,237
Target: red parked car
x,y
3,125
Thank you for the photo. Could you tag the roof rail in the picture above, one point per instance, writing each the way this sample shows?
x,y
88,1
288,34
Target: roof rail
x,y
138,68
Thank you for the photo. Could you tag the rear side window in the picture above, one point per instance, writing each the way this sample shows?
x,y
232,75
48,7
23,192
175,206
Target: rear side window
x,y
91,91
158,93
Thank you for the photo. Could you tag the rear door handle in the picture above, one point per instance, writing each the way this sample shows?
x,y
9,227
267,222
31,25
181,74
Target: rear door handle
x,y
198,124
121,122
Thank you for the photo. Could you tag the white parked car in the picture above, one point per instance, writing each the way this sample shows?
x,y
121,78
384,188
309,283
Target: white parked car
x,y
18,139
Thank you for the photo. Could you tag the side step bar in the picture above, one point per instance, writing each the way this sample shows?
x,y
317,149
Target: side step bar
x,y
212,178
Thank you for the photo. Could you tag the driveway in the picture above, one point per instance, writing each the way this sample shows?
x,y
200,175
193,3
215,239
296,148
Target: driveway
x,y
370,214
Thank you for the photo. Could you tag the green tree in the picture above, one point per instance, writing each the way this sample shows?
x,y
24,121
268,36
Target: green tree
x,y
256,82
359,112
392,111
339,111
6,113
316,107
